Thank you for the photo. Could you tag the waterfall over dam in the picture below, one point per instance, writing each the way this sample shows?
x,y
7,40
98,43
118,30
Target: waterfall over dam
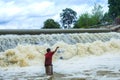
x,y
90,54
11,40
16,46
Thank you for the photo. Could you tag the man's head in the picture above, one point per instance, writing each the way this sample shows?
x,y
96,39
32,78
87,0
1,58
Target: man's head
x,y
48,50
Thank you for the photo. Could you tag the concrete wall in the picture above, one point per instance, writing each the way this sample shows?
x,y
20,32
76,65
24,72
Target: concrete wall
x,y
50,31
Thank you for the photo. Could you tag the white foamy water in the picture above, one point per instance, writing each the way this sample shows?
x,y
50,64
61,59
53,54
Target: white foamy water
x,y
105,67
11,41
97,60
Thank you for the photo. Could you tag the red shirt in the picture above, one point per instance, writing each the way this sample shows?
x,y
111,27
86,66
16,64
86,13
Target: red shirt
x,y
48,58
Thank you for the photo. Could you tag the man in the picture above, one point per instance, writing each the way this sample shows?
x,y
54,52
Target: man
x,y
48,61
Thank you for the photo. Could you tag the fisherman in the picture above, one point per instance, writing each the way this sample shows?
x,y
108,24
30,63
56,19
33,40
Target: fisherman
x,y
48,61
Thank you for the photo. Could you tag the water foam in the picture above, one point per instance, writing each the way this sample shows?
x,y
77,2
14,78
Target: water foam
x,y
30,55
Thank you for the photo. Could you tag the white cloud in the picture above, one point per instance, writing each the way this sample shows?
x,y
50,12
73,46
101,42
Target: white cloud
x,y
40,8
32,13
9,10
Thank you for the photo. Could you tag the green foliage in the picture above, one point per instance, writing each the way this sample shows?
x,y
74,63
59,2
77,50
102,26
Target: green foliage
x,y
86,20
106,18
68,17
97,14
83,21
50,23
114,8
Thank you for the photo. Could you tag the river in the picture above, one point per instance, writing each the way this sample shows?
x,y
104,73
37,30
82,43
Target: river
x,y
81,56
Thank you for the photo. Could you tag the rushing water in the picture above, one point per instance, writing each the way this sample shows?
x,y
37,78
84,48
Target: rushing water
x,y
11,41
85,56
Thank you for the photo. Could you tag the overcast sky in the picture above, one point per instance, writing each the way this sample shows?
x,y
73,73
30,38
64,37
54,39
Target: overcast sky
x,y
31,14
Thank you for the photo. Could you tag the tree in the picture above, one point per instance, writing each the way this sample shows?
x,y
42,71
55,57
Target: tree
x,y
106,18
97,14
114,8
50,23
68,17
83,21
87,20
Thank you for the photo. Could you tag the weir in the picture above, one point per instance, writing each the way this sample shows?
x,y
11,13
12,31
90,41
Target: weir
x,y
51,31
12,40
27,48
9,37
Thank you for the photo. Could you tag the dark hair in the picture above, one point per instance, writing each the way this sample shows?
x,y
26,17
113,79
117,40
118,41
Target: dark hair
x,y
48,49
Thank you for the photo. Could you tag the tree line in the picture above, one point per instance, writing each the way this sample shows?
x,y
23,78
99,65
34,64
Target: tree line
x,y
86,20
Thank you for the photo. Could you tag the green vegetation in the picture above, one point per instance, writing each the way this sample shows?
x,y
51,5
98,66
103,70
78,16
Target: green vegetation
x,y
50,24
114,8
106,18
68,17
84,21
97,14
87,20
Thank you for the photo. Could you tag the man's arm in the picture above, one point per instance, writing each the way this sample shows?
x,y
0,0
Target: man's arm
x,y
56,49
